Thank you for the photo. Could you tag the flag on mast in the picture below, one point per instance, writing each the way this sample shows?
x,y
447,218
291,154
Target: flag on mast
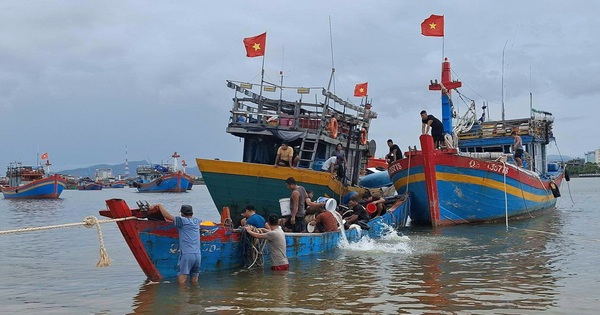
x,y
361,89
255,46
433,26
44,156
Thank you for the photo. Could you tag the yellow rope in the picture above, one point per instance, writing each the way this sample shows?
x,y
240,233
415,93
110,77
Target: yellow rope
x,y
87,222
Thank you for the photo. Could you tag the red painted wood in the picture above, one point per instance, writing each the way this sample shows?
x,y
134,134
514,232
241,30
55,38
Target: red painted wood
x,y
429,160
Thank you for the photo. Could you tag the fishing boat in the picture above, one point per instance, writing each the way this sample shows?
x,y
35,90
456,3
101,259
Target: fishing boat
x,y
89,184
115,184
313,129
31,182
154,242
162,177
473,178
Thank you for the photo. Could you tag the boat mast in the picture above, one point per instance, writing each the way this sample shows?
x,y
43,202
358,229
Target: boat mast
x,y
446,86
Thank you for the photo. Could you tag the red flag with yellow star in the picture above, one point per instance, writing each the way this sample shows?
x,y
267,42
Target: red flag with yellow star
x,y
361,89
433,26
255,46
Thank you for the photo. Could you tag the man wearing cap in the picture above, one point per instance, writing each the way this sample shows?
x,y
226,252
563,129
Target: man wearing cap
x,y
189,242
276,242
252,218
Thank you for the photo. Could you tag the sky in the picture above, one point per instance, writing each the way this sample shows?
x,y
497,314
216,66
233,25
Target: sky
x,y
86,81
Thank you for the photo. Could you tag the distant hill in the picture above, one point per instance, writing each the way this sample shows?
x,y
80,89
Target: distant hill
x,y
118,169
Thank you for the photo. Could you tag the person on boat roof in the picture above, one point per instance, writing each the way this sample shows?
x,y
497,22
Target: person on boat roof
x,y
517,149
276,242
189,242
285,156
436,126
395,152
252,218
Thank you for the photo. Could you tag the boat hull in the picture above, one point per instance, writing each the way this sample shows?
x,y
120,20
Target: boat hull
x,y
90,186
154,242
46,188
448,189
237,184
176,182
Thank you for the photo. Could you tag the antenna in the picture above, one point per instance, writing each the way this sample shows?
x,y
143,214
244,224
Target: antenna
x,y
126,164
503,49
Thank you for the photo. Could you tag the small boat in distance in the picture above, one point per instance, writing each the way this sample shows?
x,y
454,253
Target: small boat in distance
x,y
162,177
31,182
89,184
473,178
154,242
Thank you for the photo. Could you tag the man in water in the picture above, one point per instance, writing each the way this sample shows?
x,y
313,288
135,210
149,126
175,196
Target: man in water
x,y
189,242
276,242
436,126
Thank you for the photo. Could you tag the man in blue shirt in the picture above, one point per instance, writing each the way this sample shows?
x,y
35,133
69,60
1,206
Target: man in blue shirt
x,y
189,242
252,218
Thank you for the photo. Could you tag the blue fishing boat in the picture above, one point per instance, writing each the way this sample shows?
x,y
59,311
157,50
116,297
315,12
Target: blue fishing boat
x,y
473,178
29,182
154,242
89,184
162,177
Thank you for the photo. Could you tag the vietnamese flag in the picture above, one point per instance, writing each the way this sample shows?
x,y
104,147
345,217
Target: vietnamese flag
x,y
361,89
433,26
255,46
44,156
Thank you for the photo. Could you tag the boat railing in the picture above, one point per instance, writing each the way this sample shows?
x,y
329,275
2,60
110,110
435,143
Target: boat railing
x,y
251,110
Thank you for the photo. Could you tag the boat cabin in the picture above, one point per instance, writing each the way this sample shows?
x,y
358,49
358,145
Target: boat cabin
x,y
492,139
312,128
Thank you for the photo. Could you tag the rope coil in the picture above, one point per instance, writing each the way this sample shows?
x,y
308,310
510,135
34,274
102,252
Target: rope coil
x,y
88,222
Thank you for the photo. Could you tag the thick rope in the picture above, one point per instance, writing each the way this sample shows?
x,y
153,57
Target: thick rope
x,y
87,222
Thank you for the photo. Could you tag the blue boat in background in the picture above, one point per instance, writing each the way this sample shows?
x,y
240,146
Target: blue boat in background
x,y
154,242
89,184
29,182
162,177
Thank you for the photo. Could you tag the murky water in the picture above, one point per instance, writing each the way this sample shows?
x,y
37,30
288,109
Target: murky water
x,y
545,264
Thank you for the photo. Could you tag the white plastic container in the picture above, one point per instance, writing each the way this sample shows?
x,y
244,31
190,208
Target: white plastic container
x,y
330,203
284,205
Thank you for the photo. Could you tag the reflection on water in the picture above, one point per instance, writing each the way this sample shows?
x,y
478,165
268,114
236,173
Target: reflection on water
x,y
448,270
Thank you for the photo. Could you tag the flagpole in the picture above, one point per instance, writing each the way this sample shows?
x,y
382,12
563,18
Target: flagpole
x,y
260,100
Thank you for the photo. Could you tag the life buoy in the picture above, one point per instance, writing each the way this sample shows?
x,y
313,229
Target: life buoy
x,y
333,128
554,189
363,136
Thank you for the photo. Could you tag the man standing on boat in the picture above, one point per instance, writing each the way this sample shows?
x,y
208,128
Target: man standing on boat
x,y
517,149
189,242
395,152
297,206
276,242
340,162
436,126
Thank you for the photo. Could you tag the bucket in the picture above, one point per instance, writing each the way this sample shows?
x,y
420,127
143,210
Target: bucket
x,y
371,208
284,204
330,203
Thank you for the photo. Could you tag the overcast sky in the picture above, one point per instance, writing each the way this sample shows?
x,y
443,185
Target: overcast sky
x,y
82,80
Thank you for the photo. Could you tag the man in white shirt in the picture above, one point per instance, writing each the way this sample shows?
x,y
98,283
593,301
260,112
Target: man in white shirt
x,y
329,165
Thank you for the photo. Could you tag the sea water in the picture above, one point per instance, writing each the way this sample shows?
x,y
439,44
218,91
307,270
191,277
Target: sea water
x,y
545,264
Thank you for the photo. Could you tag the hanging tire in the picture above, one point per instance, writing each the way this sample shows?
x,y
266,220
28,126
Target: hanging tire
x,y
554,189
